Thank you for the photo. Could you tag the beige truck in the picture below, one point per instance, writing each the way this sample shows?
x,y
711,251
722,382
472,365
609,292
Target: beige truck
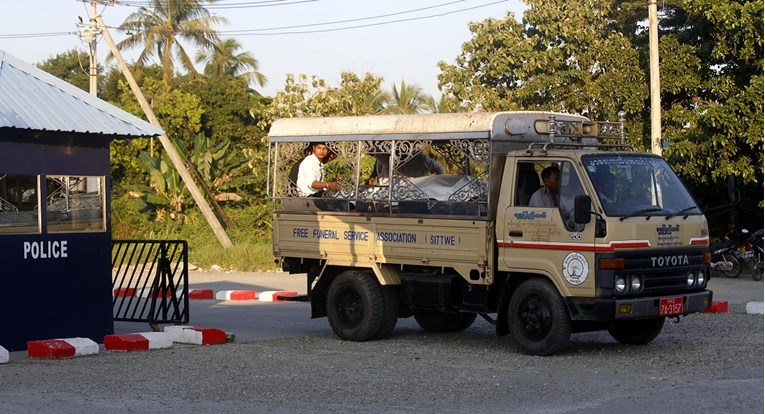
x,y
624,246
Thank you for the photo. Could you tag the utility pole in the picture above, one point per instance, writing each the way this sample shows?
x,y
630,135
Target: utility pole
x,y
175,158
653,40
93,57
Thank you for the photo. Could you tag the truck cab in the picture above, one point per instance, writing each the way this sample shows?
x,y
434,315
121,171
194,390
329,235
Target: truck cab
x,y
622,247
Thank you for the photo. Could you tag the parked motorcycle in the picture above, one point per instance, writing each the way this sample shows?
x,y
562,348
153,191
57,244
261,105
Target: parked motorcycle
x,y
738,250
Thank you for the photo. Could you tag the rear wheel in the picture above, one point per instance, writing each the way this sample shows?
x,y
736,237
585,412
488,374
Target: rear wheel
x,y
355,306
757,264
736,270
638,332
391,312
440,322
538,318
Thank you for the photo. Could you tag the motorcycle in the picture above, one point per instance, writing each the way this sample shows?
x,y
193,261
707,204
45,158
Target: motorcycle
x,y
730,256
756,261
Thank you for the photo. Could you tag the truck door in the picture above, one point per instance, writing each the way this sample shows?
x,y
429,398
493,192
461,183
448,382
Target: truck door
x,y
545,239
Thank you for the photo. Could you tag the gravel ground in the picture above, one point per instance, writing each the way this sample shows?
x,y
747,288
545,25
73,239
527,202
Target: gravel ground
x,y
706,363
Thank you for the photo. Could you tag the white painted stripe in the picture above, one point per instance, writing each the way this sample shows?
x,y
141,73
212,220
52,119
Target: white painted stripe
x,y
157,340
184,334
83,346
5,356
754,308
267,296
223,294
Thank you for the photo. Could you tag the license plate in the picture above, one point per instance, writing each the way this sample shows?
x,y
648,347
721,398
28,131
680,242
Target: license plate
x,y
670,306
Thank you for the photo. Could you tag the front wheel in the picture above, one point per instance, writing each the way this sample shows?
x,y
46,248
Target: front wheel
x,y
356,306
638,332
757,265
538,318
737,266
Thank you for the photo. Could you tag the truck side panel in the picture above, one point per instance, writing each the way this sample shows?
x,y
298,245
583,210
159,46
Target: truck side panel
x,y
361,241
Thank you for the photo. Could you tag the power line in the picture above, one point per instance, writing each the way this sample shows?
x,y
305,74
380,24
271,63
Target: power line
x,y
254,32
249,32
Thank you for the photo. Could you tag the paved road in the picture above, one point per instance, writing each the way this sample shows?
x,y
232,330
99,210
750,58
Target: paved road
x,y
286,363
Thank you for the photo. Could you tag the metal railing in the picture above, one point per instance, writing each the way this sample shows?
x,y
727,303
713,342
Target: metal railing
x,y
150,281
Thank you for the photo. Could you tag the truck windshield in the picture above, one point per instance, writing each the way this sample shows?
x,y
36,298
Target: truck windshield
x,y
638,185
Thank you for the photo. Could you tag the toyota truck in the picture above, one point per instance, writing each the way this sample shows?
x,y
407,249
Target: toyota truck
x,y
624,248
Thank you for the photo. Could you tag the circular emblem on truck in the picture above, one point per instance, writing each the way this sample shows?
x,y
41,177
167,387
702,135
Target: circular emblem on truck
x,y
575,268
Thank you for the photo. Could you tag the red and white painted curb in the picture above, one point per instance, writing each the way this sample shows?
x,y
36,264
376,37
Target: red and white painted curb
x,y
236,295
275,295
61,348
201,294
754,308
717,307
137,341
193,335
5,356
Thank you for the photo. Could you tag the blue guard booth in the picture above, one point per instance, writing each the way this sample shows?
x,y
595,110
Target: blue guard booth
x,y
55,239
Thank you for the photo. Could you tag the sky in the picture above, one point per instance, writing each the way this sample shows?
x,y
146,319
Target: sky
x,y
395,39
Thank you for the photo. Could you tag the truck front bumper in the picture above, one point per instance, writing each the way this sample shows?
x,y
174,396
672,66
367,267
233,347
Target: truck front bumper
x,y
588,309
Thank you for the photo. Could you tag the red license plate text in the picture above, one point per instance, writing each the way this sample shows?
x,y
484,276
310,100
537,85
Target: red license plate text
x,y
670,306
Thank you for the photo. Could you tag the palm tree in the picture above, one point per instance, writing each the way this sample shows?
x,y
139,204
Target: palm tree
x,y
161,28
223,60
406,100
447,104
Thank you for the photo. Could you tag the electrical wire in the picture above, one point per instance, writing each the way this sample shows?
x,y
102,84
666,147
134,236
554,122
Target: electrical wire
x,y
280,30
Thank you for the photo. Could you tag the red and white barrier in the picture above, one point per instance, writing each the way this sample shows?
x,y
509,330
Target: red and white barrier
x,y
61,348
5,356
275,295
137,341
193,335
201,294
236,295
717,307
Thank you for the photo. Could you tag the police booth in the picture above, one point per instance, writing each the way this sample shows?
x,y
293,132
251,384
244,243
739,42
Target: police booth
x,y
55,239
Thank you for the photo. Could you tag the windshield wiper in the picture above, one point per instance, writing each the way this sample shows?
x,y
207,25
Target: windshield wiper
x,y
640,213
689,208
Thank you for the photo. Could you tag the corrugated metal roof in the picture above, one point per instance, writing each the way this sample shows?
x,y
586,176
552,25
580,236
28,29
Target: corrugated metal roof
x,y
33,99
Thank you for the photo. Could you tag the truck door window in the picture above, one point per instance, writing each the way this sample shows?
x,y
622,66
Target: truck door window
x,y
570,187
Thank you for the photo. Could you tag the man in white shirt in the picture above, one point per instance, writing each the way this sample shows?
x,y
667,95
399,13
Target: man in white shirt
x,y
310,180
547,196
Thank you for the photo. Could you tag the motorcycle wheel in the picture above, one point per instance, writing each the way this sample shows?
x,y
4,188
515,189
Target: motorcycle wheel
x,y
757,265
737,268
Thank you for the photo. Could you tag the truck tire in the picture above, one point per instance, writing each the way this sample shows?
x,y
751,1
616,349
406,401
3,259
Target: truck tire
x,y
355,306
441,322
638,332
391,312
538,318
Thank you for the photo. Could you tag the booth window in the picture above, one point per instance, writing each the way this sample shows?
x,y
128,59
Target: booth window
x,y
18,204
75,203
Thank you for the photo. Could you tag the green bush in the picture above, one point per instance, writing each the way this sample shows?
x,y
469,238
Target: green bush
x,y
249,232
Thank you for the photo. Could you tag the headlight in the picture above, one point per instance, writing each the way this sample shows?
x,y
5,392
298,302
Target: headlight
x,y
701,278
620,284
691,279
636,283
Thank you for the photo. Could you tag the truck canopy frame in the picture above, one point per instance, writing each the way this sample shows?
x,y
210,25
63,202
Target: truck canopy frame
x,y
463,144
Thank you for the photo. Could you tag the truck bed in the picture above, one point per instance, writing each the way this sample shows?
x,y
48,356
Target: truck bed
x,y
372,241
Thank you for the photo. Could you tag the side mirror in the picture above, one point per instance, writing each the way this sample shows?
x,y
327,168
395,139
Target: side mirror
x,y
732,190
582,212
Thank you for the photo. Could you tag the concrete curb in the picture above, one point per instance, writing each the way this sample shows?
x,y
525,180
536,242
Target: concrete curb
x,y
5,356
275,295
61,348
754,308
197,336
137,341
717,307
201,294
236,295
